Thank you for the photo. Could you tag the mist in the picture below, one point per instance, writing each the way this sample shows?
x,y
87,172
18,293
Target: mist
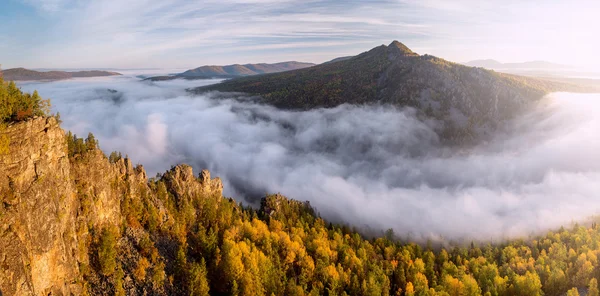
x,y
372,167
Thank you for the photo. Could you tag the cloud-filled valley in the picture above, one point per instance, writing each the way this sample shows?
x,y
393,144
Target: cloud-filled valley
x,y
376,167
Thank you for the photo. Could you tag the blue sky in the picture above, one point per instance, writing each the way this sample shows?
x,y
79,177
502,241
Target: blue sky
x,y
185,33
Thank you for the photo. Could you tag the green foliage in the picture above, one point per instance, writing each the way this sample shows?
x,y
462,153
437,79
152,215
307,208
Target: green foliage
x,y
90,142
593,287
107,251
115,157
79,146
17,106
118,282
198,282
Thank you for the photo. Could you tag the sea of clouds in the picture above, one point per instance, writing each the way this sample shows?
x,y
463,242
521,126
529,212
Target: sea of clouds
x,y
371,167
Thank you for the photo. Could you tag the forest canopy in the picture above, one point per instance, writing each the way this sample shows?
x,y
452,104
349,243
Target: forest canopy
x,y
15,105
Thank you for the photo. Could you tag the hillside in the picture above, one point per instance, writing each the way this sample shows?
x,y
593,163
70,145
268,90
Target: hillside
x,y
469,101
339,59
232,71
76,222
22,74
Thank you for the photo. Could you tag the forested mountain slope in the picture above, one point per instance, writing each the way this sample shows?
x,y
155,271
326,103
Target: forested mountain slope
x,y
74,221
469,101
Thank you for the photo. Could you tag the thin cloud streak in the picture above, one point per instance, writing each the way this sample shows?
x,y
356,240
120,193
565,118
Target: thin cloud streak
x,y
179,33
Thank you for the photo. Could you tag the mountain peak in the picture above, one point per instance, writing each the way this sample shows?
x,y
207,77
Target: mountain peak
x,y
401,48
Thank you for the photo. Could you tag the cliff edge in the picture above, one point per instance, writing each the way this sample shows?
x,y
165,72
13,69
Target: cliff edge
x,y
55,204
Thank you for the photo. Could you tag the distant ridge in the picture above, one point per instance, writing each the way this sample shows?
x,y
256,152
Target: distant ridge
x,y
22,74
467,101
236,70
493,64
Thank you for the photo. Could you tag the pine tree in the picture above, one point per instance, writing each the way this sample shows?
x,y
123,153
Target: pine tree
x,y
198,283
90,142
107,254
593,288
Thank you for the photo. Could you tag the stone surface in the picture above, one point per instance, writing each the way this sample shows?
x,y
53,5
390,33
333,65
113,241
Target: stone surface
x,y
50,203
38,212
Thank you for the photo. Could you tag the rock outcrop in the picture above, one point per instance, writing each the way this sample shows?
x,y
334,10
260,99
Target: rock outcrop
x,y
38,212
52,203
182,182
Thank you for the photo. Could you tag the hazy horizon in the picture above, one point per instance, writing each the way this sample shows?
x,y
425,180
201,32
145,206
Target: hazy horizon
x,y
180,34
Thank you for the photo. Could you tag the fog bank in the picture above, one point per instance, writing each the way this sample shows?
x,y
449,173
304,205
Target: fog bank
x,y
375,167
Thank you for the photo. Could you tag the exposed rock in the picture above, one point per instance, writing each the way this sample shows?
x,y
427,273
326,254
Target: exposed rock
x,y
51,204
38,212
182,182
210,185
275,205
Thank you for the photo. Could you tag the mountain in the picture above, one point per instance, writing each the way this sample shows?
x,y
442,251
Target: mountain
x,y
22,74
231,71
538,65
76,222
469,101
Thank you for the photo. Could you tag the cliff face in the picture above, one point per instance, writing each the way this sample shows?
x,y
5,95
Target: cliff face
x,y
37,215
53,203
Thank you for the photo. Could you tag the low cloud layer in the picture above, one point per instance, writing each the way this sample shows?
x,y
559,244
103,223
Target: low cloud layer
x,y
374,167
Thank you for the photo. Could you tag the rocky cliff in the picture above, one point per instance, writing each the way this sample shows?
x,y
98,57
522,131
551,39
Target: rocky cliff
x,y
54,205
38,212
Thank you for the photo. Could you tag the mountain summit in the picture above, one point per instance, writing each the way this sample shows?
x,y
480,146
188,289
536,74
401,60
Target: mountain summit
x,y
401,49
467,101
